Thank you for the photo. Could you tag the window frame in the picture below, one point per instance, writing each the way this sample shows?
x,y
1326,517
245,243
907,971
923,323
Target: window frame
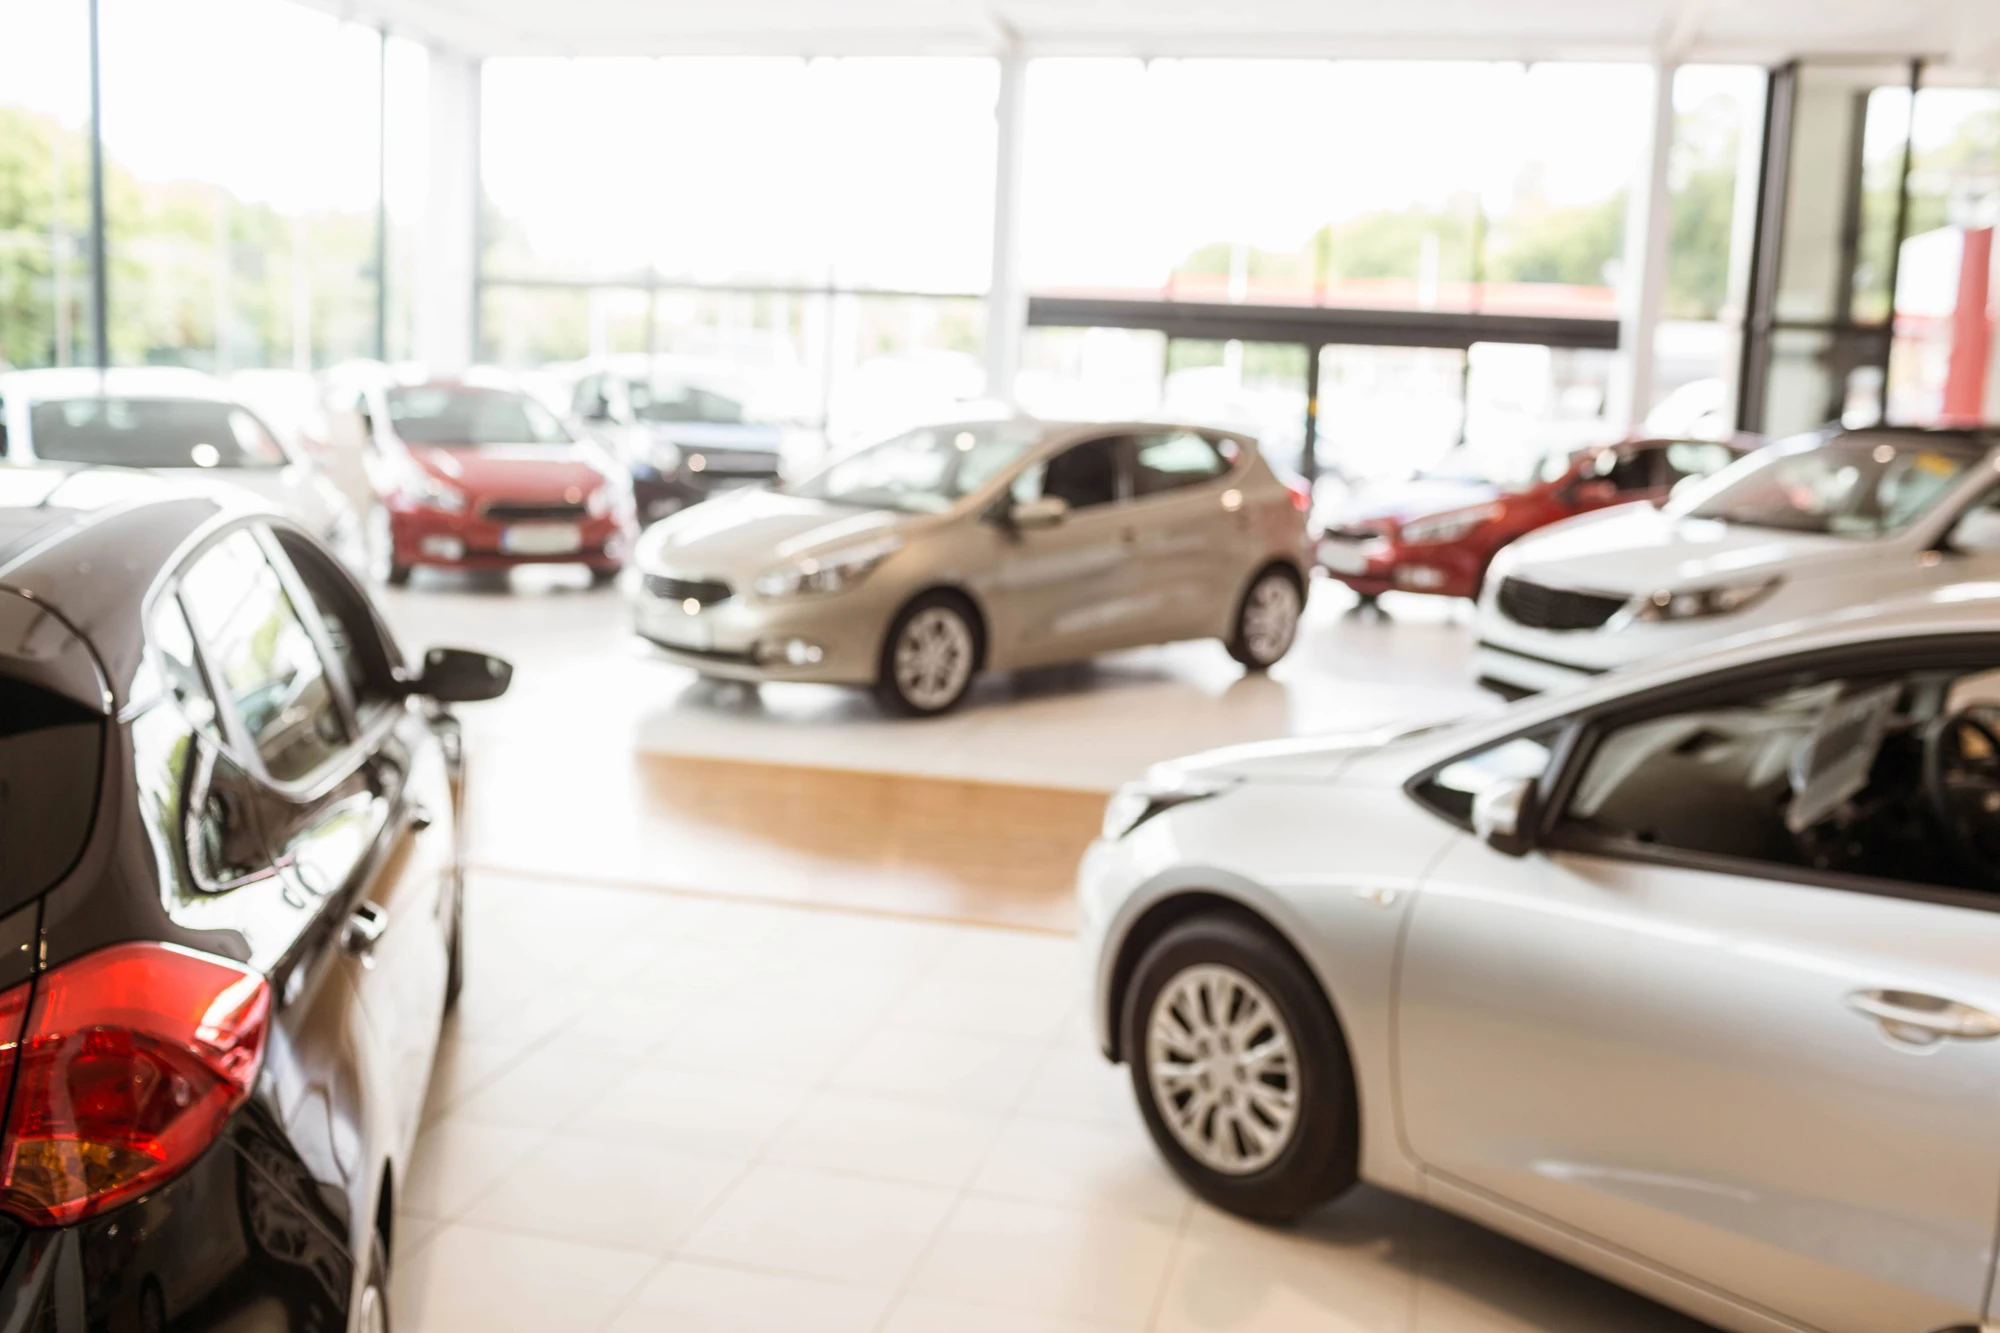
x,y
1120,442
1134,442
1589,726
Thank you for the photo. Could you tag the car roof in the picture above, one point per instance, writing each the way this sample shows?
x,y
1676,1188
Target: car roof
x,y
41,386
90,543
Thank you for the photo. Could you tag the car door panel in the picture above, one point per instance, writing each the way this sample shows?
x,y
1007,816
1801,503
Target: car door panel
x,y
1668,1060
1187,566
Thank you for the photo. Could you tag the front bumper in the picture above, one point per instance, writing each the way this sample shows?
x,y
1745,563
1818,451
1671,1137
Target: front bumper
x,y
830,639
470,541
1378,565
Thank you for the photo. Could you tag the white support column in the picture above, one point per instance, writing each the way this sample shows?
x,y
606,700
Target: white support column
x,y
1007,298
1643,281
445,277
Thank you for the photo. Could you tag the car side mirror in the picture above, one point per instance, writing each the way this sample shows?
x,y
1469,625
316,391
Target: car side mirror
x,y
1503,816
1044,512
462,676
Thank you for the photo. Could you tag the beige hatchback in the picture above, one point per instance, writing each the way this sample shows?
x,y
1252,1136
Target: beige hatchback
x,y
914,564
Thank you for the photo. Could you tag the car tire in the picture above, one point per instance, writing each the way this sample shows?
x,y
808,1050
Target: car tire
x,y
929,657
371,1308
1267,619
1217,1116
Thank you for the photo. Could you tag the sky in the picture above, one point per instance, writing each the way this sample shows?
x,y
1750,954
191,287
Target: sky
x,y
873,172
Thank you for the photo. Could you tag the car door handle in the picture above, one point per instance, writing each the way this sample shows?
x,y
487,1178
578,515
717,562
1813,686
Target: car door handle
x,y
1917,1019
364,931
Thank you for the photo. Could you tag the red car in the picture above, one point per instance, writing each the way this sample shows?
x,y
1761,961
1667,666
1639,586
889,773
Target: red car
x,y
1436,534
479,477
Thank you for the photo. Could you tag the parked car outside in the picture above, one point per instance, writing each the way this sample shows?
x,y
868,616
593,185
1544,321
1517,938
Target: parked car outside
x,y
1825,521
472,474
912,565
1690,977
1438,533
230,908
684,435
173,421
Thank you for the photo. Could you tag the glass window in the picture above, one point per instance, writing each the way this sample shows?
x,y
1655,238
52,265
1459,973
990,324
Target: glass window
x,y
587,402
49,764
1873,775
1629,471
152,432
924,471
465,416
1169,462
349,627
1696,458
263,657
664,400
1861,485
1451,790
1082,476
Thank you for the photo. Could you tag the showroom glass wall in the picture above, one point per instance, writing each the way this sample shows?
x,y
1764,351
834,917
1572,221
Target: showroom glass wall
x,y
243,144
817,232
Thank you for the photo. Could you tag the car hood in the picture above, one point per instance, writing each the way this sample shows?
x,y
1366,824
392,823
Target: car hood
x,y
1637,548
743,533
1403,501
716,436
526,471
1308,759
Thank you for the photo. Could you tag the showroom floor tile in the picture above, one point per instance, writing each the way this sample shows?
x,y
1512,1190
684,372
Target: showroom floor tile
x,y
932,1176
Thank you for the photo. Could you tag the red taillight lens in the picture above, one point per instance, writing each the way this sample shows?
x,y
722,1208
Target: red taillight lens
x,y
1302,495
132,1059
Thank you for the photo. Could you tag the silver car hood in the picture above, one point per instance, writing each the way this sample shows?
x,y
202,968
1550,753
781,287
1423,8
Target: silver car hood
x,y
1327,758
743,533
1638,549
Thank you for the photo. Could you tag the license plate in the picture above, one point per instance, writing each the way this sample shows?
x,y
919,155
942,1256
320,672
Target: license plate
x,y
1344,557
542,539
669,624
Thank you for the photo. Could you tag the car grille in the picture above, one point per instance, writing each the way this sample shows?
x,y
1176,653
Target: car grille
x,y
705,591
1352,533
1538,607
734,462
534,511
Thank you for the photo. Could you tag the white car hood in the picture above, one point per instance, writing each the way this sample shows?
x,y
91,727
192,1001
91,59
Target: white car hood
x,y
1308,759
1637,549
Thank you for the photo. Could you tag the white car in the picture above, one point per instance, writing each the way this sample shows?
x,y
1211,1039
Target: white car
x,y
1806,526
1690,976
170,420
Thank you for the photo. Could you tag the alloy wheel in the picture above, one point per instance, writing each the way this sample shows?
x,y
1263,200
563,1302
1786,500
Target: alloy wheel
x,y
1223,1070
373,1316
934,657
1271,618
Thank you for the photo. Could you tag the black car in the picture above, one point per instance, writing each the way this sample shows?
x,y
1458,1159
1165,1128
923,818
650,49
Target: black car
x,y
683,440
230,905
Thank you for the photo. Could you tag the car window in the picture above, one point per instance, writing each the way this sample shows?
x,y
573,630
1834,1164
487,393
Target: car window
x,y
349,627
1872,775
50,761
1083,475
1452,788
152,433
1171,460
1696,458
588,400
465,416
1629,470
263,658
1865,484
667,401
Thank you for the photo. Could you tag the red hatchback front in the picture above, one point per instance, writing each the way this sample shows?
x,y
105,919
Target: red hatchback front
x,y
468,476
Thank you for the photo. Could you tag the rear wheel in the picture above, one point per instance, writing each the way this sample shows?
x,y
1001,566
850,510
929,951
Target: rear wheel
x,y
603,574
929,657
1268,619
1240,1071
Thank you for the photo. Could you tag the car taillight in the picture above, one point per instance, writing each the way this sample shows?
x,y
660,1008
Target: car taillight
x,y
131,1060
1302,495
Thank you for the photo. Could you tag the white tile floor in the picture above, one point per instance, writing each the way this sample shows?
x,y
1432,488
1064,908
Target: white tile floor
x,y
689,1115
774,1120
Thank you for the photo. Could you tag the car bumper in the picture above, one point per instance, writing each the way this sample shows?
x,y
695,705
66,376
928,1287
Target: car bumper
x,y
1516,674
467,541
834,639
1377,566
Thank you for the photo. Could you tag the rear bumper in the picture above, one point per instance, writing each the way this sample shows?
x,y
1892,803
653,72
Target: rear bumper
x,y
242,1240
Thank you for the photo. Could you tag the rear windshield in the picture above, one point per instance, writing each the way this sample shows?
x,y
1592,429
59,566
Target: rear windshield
x,y
669,402
460,415
50,752
152,432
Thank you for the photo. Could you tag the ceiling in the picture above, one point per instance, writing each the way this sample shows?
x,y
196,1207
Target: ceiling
x,y
1960,32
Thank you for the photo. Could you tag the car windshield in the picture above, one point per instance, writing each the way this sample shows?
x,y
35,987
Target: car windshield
x,y
1848,486
461,415
152,432
663,400
924,471
1515,472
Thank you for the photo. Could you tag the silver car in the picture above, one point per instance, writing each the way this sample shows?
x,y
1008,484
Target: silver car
x,y
914,564
1691,977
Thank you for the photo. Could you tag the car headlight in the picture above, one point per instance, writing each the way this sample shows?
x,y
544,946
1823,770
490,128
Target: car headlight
x,y
1136,802
1697,602
1448,527
421,488
826,573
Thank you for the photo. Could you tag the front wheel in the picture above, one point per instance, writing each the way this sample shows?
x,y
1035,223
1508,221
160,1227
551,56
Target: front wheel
x,y
1240,1070
929,657
1268,619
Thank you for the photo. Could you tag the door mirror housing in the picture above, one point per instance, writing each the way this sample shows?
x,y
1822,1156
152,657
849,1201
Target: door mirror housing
x,y
462,676
1045,512
1503,816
